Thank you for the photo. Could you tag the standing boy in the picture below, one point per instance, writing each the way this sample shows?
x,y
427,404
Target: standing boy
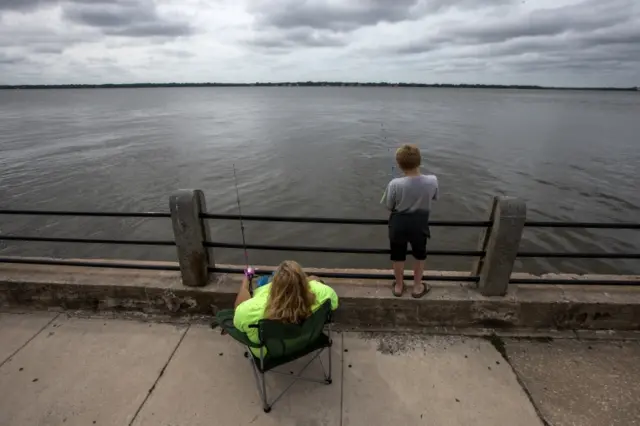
x,y
409,200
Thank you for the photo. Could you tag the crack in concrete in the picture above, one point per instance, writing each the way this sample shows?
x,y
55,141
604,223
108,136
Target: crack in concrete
x,y
500,347
29,341
155,383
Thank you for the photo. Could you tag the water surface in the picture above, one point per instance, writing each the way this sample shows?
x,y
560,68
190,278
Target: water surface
x,y
573,156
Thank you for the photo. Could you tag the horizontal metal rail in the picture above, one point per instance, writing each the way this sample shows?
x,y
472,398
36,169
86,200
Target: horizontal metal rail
x,y
90,264
84,214
468,253
269,247
569,281
452,223
582,225
333,220
315,249
356,275
87,240
339,221
529,254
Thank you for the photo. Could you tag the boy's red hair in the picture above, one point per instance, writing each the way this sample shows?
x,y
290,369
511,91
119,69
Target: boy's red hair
x,y
408,157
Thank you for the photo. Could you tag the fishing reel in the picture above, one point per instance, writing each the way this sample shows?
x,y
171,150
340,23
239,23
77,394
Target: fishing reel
x,y
249,273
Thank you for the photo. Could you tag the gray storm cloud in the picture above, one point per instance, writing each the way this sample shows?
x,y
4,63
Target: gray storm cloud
x,y
21,4
350,15
124,18
588,42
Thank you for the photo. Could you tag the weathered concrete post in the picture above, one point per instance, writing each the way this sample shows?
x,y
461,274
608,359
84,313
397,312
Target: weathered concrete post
x,y
501,243
190,232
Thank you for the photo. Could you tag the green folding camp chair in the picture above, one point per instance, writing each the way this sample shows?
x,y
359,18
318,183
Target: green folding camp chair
x,y
284,343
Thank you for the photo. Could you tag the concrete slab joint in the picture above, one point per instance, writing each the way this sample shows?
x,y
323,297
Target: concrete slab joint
x,y
501,245
190,231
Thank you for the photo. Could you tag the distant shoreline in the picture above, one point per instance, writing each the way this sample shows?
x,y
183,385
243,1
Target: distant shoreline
x,y
307,84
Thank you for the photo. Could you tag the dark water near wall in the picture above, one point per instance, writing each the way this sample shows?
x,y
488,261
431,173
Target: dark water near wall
x,y
321,152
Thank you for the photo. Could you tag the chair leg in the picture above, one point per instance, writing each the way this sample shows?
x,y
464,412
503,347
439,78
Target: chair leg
x,y
262,385
265,406
327,379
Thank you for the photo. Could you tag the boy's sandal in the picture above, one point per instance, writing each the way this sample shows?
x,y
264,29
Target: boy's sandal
x,y
393,289
425,289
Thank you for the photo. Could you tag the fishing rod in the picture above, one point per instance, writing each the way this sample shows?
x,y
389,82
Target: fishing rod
x,y
391,153
244,243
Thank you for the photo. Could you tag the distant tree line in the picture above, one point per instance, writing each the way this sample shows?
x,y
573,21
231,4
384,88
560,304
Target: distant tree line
x,y
304,84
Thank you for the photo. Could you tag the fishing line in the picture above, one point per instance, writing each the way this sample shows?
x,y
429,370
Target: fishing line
x,y
390,150
244,243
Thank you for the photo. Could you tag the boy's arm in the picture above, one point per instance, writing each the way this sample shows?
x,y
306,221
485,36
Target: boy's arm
x,y
436,193
389,197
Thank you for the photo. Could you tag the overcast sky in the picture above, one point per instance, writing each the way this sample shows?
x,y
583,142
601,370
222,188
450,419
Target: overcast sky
x,y
547,42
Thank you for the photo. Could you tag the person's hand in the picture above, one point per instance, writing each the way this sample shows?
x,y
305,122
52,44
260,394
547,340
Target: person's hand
x,y
244,293
250,272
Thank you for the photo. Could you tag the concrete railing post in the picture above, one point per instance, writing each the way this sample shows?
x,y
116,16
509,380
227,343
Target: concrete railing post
x,y
501,243
190,232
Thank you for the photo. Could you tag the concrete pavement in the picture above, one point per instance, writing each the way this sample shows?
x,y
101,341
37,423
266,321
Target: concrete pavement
x,y
581,383
59,370
437,380
81,372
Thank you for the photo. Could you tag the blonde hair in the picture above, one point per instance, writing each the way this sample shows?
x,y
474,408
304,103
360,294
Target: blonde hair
x,y
290,299
408,157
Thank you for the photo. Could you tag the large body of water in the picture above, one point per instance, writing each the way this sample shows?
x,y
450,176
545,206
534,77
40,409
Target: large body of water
x,y
319,152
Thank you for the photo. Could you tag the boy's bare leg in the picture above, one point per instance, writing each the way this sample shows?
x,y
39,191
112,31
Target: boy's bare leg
x,y
398,271
418,271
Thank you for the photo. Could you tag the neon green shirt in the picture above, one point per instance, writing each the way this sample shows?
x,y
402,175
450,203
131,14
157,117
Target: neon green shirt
x,y
251,311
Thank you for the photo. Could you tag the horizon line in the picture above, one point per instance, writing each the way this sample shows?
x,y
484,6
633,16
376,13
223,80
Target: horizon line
x,y
318,83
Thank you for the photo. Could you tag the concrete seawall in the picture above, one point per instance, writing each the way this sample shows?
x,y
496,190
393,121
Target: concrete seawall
x,y
363,304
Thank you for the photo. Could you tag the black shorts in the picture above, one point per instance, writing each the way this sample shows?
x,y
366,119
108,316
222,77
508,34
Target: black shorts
x,y
408,229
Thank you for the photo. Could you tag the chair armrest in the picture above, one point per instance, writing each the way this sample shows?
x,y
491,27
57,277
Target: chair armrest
x,y
240,336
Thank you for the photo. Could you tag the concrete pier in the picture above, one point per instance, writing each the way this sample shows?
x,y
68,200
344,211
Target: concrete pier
x,y
364,304
64,370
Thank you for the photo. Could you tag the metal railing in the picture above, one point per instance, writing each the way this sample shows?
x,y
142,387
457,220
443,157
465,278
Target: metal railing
x,y
351,250
84,213
89,263
486,225
86,263
340,221
86,240
581,225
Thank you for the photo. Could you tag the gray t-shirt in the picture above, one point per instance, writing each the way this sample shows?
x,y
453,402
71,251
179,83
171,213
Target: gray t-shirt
x,y
410,194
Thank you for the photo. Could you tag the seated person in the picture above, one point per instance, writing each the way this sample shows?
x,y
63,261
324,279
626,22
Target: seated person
x,y
290,297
